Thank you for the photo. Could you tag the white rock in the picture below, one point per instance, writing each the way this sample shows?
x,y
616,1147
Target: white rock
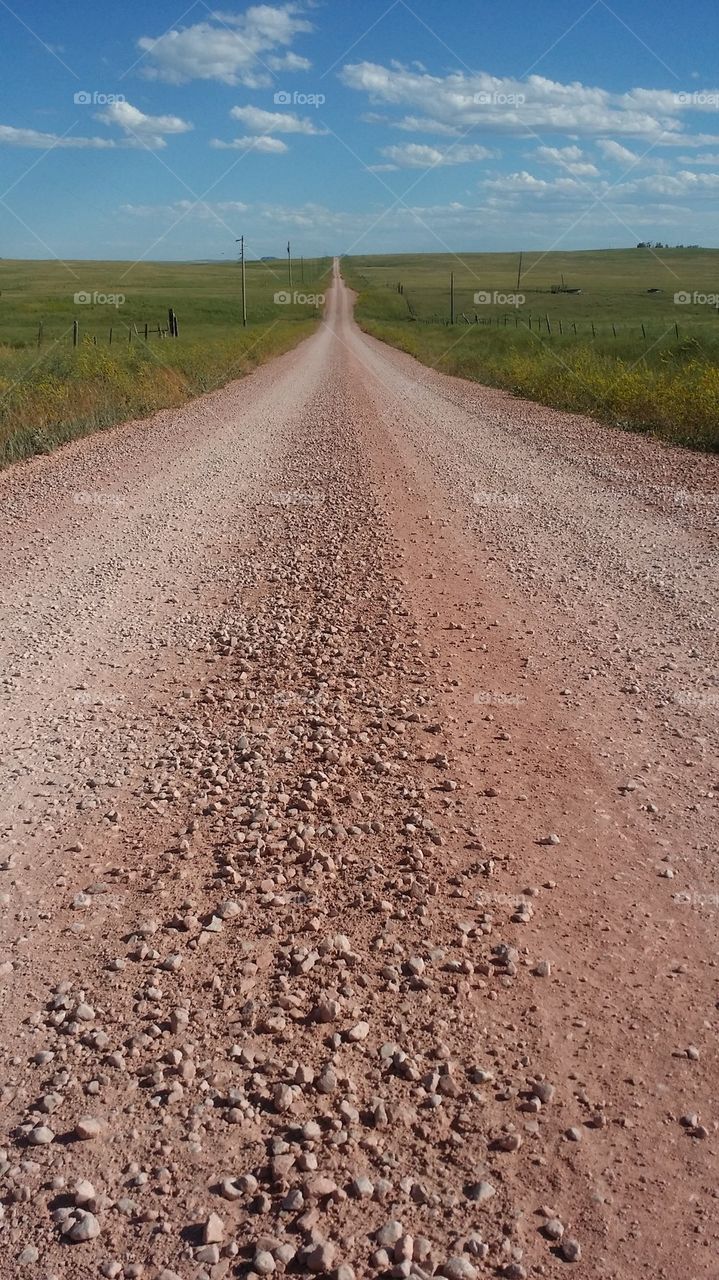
x,y
214,1230
81,1226
458,1268
320,1258
87,1129
389,1234
40,1136
570,1249
83,1192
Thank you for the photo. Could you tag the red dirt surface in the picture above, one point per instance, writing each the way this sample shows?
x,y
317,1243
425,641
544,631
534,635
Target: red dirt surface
x,y
358,863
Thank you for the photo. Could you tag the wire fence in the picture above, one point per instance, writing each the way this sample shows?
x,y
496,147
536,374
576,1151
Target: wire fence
x,y
540,323
552,328
119,332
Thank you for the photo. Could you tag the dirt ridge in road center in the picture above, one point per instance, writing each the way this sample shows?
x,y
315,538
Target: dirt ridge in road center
x,y
306,999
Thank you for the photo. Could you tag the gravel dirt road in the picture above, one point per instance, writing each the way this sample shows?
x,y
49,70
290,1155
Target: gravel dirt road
x,y
358,860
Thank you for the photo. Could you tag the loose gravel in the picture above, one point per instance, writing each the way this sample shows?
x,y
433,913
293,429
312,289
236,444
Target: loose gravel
x,y
333,940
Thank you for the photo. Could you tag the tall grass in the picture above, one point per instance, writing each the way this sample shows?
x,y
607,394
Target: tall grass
x,y
673,394
72,393
51,393
662,385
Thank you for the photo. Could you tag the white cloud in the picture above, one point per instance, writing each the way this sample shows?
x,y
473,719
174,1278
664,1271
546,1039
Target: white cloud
x,y
665,100
231,48
502,105
683,185
213,212
147,130
691,140
289,62
527,182
612,150
271,146
139,130
12,137
633,203
569,158
260,121
413,155
424,124
701,159
561,212
277,24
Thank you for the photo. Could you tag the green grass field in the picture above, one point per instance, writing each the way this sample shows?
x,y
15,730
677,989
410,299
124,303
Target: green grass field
x,y
583,351
622,349
51,392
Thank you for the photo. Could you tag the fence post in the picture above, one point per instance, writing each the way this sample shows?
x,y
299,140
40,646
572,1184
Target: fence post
x,y
145,332
75,332
110,342
39,333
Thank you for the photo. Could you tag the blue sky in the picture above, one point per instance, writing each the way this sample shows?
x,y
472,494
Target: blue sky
x,y
163,131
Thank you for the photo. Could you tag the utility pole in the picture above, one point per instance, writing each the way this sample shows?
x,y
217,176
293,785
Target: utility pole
x,y
451,298
289,263
519,273
241,243
302,269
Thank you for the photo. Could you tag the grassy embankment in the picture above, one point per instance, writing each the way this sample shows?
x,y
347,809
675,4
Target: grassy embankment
x,y
51,393
651,381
